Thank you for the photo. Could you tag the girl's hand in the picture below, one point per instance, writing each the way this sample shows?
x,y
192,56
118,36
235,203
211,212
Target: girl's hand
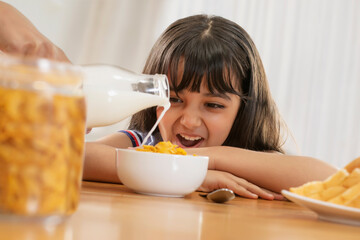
x,y
218,179
19,36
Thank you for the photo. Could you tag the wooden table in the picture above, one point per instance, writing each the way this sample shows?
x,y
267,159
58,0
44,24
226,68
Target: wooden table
x,y
111,211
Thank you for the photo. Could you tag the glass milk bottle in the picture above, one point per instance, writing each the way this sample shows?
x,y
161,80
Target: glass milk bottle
x,y
113,93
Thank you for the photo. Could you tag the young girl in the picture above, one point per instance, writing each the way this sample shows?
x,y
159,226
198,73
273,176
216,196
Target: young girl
x,y
221,107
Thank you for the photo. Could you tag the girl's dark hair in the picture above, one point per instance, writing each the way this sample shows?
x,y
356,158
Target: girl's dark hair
x,y
224,53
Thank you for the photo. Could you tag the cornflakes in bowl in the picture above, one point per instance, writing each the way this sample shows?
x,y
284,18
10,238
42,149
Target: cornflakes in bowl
x,y
163,147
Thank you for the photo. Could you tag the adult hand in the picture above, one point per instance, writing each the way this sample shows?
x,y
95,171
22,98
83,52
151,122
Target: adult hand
x,y
19,36
219,179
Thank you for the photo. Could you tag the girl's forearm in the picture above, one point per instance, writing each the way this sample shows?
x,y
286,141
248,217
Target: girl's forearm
x,y
272,171
99,163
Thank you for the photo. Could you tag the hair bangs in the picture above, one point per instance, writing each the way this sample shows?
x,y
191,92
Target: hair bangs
x,y
218,77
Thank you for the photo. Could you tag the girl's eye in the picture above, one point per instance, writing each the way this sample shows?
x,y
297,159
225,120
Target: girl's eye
x,y
175,100
215,105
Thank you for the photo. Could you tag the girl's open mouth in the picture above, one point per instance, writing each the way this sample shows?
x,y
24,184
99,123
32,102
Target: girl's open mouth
x,y
187,141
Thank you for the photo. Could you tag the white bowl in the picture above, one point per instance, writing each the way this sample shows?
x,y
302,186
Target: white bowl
x,y
160,174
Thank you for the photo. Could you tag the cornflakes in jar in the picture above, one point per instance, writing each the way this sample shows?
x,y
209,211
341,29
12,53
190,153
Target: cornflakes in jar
x,y
42,129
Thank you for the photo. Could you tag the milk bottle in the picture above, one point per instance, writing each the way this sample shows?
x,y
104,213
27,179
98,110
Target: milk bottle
x,y
113,94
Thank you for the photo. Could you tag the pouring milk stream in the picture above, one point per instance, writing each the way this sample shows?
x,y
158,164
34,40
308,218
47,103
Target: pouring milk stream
x,y
113,94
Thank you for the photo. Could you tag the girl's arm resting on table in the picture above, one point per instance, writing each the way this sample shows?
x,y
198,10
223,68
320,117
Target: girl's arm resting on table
x,y
100,158
99,163
272,171
100,166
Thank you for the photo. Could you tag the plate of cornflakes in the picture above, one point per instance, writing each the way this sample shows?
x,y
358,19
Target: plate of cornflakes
x,y
336,199
326,211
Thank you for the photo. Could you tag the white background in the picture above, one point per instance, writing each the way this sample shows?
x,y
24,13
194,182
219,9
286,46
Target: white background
x,y
310,49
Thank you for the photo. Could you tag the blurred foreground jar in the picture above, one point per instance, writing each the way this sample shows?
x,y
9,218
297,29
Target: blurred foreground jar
x,y
42,128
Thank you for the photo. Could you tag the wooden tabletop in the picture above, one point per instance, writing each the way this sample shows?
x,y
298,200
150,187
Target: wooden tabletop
x,y
112,211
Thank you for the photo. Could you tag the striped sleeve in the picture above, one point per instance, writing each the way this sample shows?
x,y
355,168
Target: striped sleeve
x,y
135,137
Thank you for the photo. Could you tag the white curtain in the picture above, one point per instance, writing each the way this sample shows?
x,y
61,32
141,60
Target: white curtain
x,y
310,50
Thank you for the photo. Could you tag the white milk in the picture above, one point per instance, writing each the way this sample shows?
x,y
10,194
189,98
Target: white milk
x,y
166,107
106,108
110,95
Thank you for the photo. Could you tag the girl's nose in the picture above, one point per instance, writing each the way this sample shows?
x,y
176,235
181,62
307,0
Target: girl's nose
x,y
190,118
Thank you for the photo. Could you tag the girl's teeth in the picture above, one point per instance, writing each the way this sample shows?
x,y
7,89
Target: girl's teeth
x,y
190,138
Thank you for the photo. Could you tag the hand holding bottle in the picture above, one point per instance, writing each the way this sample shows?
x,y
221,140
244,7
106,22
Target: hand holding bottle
x,y
19,36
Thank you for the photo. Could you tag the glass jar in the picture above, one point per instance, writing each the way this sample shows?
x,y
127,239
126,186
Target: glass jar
x,y
42,129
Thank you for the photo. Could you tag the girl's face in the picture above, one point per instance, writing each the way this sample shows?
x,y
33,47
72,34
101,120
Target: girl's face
x,y
198,119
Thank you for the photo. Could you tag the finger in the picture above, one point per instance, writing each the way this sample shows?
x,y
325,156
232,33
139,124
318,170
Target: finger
x,y
243,192
28,49
277,196
44,50
61,56
203,189
56,54
261,192
255,189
